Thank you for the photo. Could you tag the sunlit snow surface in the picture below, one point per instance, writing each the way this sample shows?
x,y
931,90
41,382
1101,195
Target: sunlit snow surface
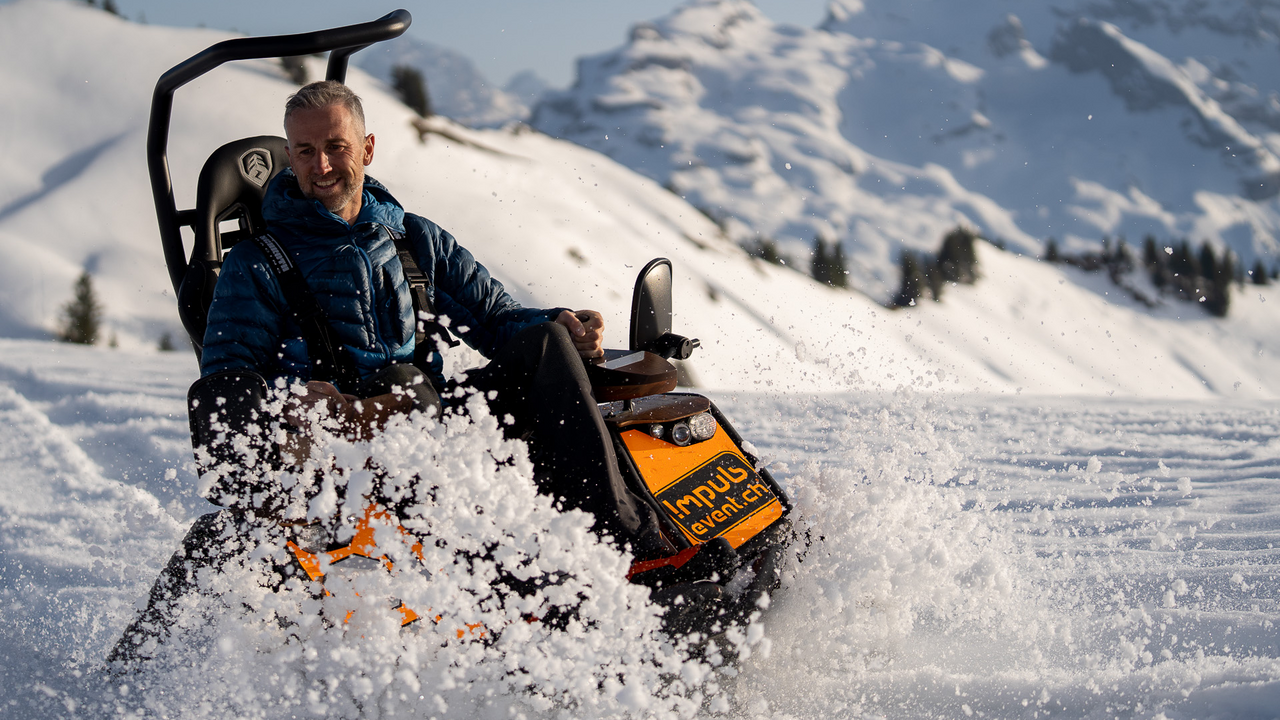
x,y
1005,556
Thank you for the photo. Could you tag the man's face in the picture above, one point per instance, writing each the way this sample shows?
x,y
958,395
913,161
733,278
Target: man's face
x,y
328,151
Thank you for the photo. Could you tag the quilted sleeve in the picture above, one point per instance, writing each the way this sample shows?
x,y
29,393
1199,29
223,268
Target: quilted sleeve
x,y
478,306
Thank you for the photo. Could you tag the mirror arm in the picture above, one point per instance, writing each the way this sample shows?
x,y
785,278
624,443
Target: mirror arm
x,y
678,347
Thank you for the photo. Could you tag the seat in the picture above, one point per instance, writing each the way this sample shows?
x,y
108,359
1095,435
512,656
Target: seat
x,y
230,189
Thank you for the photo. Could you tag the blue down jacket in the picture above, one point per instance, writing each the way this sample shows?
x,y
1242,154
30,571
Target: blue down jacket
x,y
356,276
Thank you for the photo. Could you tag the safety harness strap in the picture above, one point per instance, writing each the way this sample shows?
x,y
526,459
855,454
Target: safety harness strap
x,y
428,331
330,361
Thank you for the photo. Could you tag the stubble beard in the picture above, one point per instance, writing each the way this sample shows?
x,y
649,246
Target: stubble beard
x,y
351,186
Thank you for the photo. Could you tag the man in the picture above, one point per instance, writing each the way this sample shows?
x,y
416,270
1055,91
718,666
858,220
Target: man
x,y
337,227
337,224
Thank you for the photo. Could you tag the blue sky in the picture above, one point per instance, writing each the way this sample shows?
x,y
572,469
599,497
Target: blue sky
x,y
503,37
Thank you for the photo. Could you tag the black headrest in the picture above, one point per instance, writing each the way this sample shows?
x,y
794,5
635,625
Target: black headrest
x,y
232,183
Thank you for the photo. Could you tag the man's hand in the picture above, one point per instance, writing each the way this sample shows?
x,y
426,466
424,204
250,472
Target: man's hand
x,y
360,418
322,394
586,328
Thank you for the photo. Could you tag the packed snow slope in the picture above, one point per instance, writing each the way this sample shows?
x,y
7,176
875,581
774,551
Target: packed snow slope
x,y
559,225
895,120
1015,557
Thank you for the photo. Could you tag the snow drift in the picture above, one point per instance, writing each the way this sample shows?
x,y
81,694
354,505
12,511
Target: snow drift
x,y
1008,556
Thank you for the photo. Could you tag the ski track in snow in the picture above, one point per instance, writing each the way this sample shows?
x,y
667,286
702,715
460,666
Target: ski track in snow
x,y
83,529
1008,556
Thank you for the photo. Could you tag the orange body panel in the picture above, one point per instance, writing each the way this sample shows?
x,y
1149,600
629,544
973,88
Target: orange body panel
x,y
363,545
708,489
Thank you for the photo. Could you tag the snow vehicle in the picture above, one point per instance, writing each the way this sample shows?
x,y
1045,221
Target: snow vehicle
x,y
725,515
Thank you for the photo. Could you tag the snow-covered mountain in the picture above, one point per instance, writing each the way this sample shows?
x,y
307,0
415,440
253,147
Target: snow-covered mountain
x,y
528,87
559,224
457,88
895,120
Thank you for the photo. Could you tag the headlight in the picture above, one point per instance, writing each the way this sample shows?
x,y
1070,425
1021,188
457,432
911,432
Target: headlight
x,y
655,430
703,426
680,434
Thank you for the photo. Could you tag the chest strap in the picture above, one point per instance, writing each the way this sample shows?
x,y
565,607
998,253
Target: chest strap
x,y
330,361
427,332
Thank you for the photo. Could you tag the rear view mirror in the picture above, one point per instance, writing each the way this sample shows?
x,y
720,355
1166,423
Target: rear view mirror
x,y
651,305
651,314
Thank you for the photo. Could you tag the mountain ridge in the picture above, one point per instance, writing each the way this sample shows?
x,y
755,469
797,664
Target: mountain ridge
x,y
1044,123
457,88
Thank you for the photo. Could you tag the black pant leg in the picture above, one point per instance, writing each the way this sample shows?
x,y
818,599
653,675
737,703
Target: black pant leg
x,y
541,382
212,541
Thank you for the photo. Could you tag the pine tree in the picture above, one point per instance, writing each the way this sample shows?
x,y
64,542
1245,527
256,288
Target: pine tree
x,y
1184,271
1259,273
829,267
166,342
767,250
409,84
1150,255
111,7
913,282
933,278
1185,262
958,259
839,268
1051,253
1208,261
82,316
295,68
1119,261
1123,255
1220,284
820,267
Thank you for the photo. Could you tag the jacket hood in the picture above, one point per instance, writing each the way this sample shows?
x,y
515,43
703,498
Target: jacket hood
x,y
284,205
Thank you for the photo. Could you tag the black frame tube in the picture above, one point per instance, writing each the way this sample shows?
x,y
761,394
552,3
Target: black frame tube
x,y
342,42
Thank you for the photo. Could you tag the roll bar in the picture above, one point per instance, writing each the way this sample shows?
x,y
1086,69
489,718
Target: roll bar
x,y
342,43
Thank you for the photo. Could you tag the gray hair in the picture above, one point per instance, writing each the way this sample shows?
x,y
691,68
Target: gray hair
x,y
322,94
